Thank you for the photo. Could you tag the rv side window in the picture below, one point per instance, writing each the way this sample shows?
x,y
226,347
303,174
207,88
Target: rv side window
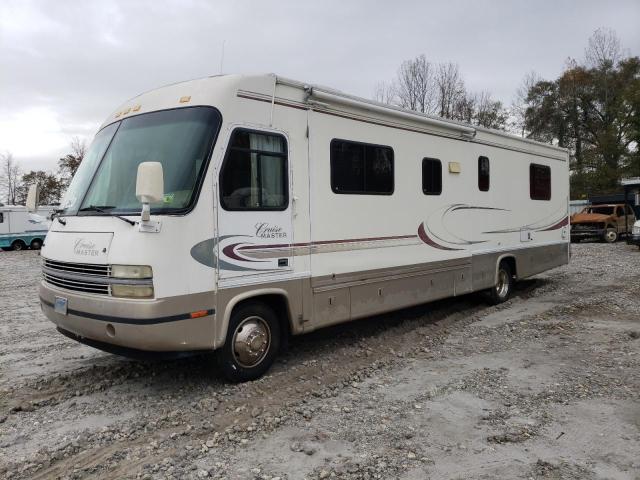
x,y
361,168
483,174
431,176
539,182
254,172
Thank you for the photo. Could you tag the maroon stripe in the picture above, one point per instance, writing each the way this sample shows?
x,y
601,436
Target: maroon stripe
x,y
426,239
325,242
560,224
229,251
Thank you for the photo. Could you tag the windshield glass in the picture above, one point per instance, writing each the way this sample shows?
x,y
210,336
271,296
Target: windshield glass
x,y
181,140
601,210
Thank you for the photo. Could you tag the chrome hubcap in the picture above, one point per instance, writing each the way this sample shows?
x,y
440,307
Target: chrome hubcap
x,y
251,341
611,236
503,284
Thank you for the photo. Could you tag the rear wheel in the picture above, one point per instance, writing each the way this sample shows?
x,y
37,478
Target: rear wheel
x,y
36,244
611,235
18,245
504,285
252,343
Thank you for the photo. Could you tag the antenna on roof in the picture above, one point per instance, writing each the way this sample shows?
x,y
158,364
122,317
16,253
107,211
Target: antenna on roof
x,y
222,57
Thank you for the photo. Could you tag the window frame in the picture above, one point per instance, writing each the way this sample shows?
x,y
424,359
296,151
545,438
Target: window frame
x,y
366,144
431,159
480,159
225,162
532,167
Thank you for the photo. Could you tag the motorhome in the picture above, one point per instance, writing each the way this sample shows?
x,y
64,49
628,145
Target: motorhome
x,y
20,229
226,213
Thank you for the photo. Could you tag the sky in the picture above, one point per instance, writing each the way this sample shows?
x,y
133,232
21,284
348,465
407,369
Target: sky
x,y
66,64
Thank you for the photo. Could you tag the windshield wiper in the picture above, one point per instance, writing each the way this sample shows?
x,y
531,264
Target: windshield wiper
x,y
105,209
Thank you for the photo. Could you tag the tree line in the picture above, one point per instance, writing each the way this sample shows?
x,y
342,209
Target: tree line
x,y
592,109
15,183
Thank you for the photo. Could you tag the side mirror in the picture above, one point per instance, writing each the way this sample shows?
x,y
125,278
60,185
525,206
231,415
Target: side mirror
x,y
149,186
33,197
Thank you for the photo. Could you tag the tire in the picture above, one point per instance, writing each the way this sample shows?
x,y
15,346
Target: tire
x,y
254,323
504,286
18,245
611,235
36,244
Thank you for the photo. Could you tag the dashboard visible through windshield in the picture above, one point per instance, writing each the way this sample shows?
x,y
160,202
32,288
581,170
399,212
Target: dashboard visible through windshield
x,y
180,139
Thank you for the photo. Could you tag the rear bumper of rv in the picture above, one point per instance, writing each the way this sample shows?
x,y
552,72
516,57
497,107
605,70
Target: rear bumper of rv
x,y
175,324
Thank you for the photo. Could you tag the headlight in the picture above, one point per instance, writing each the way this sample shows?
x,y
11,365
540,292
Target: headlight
x,y
131,271
132,291
636,229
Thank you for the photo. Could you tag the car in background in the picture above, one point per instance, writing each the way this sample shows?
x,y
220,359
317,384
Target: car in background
x,y
606,222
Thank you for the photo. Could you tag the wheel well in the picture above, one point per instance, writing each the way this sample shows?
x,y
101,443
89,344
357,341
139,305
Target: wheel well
x,y
511,261
19,240
278,303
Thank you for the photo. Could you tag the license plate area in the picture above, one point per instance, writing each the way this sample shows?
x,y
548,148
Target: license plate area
x,y
60,305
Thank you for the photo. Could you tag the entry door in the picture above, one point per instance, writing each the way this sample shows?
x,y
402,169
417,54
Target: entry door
x,y
255,233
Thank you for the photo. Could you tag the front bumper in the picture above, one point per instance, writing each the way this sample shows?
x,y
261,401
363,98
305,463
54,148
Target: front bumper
x,y
161,325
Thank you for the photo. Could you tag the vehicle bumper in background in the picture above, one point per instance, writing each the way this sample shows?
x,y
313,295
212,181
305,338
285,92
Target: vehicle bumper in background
x,y
163,325
591,233
634,239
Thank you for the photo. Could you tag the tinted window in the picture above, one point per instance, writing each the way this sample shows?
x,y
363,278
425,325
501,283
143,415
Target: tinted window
x,y
254,172
539,182
483,174
1,217
361,168
431,176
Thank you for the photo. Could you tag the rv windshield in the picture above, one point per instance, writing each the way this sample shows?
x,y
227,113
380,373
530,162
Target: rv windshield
x,y
181,140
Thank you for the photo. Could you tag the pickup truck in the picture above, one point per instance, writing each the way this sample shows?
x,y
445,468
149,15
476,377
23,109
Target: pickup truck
x,y
606,222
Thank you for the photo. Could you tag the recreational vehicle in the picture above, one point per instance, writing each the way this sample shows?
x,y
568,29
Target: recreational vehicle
x,y
20,229
226,213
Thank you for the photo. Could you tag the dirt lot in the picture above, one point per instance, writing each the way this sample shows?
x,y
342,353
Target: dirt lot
x,y
544,386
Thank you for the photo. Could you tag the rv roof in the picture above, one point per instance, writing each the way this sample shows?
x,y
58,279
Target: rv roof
x,y
353,101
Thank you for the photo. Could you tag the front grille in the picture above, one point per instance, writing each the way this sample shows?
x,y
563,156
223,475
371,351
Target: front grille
x,y
79,268
79,277
585,226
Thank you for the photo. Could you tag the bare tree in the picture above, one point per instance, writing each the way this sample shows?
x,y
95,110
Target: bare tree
x,y
451,89
11,176
520,102
604,50
385,92
415,85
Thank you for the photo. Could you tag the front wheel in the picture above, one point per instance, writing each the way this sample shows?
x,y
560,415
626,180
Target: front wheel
x,y
611,235
504,285
18,245
36,244
252,343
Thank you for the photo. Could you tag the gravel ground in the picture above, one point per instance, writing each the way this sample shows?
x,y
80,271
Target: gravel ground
x,y
544,386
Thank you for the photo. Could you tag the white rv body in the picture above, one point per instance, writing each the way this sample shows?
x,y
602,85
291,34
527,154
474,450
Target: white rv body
x,y
20,228
324,257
